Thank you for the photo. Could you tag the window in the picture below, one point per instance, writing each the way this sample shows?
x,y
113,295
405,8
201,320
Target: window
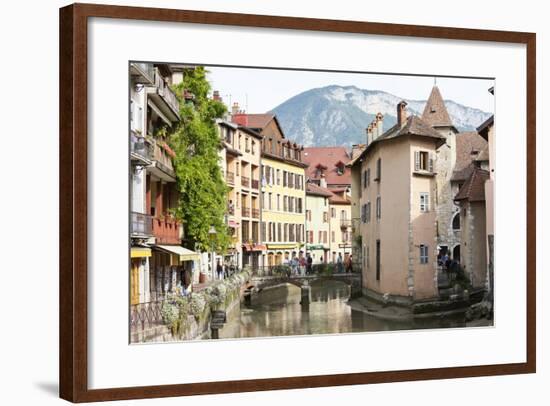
x,y
333,212
340,168
325,217
364,213
378,170
368,212
378,208
424,202
423,254
278,202
278,176
237,168
284,178
253,147
423,161
285,203
320,236
367,257
269,201
333,236
247,149
456,221
308,215
279,232
377,260
343,215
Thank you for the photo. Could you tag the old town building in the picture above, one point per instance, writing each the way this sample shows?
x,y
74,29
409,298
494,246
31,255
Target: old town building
x,y
158,261
394,190
242,148
318,223
283,194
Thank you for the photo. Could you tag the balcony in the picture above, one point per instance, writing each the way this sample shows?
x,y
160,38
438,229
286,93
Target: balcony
x,y
166,230
230,178
245,212
141,225
255,184
143,73
161,166
256,213
345,223
165,99
245,181
140,150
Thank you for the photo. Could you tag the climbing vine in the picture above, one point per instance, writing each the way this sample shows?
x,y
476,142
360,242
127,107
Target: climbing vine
x,y
196,144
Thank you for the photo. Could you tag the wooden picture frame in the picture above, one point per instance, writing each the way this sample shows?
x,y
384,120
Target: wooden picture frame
x,y
73,208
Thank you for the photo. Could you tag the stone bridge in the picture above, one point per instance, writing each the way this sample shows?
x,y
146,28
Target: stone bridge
x,y
260,282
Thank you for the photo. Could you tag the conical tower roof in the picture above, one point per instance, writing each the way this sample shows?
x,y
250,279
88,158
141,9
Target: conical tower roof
x,y
435,113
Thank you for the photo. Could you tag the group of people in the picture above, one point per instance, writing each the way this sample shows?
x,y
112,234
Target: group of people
x,y
304,265
225,270
450,265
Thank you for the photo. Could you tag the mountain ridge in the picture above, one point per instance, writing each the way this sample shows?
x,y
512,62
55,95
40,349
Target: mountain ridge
x,y
338,115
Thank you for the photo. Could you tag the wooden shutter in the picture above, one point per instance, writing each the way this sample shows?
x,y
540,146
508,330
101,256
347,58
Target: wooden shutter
x,y
417,160
134,283
431,163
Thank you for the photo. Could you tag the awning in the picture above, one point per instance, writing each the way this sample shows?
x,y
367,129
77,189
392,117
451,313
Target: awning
x,y
183,253
282,246
140,252
254,247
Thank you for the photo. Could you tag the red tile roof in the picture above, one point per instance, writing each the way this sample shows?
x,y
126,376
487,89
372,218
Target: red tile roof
x,y
468,146
328,157
259,121
313,189
473,189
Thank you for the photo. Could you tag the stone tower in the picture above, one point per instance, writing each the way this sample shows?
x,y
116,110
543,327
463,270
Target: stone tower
x,y
436,114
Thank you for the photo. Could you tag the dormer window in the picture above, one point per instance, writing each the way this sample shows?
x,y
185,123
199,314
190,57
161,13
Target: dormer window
x,y
340,168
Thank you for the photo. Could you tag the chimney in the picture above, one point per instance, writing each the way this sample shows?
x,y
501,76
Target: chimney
x,y
323,181
239,116
374,130
369,134
401,113
216,96
380,124
234,108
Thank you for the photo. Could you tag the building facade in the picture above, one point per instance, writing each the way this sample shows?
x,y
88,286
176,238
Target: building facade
x,y
242,150
394,190
283,195
318,223
158,260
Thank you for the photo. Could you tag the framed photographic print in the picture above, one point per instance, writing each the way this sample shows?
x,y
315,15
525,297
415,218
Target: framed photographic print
x,y
255,202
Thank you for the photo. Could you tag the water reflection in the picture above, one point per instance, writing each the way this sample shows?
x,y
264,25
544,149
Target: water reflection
x,y
278,312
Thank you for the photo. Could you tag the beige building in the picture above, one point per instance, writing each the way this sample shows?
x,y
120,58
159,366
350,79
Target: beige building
x,y
242,151
317,223
340,226
471,198
394,194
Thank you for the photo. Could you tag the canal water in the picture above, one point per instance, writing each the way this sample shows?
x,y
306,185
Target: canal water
x,y
277,312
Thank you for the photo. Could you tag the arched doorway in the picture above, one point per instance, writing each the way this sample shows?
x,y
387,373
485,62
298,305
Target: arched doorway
x,y
456,253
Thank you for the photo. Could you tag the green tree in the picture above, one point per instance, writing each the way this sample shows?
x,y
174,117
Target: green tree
x,y
196,143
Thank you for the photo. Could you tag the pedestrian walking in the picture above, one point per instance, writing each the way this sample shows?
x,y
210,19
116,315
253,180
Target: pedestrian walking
x,y
219,270
340,263
309,264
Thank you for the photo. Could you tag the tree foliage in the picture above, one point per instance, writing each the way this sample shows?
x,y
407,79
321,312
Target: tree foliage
x,y
196,143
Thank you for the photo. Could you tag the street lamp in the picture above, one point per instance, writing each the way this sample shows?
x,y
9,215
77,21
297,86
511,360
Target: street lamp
x,y
212,235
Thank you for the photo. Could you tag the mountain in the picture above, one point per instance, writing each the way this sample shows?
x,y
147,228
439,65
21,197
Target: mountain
x,y
338,115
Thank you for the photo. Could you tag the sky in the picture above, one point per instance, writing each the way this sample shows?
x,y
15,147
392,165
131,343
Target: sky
x,y
260,90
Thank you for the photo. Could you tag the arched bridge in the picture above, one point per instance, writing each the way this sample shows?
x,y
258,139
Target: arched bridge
x,y
261,280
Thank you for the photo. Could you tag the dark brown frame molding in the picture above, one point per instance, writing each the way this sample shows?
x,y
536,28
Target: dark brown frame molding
x,y
73,362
